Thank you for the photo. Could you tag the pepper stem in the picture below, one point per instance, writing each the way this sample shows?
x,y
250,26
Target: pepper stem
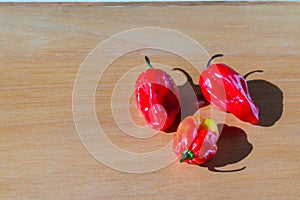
x,y
215,56
186,154
249,73
148,62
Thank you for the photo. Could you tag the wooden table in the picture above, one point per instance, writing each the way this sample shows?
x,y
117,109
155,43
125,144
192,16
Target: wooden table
x,y
42,47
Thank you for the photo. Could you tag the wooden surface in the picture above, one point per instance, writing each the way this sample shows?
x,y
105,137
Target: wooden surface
x,y
41,50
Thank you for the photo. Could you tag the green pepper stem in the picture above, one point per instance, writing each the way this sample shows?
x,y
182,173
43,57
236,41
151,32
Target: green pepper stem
x,y
186,154
215,56
148,62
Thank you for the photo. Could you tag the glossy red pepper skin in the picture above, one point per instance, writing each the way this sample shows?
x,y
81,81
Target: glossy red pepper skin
x,y
157,97
195,140
227,90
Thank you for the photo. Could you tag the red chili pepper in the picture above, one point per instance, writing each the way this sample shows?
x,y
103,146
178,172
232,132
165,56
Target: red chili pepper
x,y
227,90
195,140
157,97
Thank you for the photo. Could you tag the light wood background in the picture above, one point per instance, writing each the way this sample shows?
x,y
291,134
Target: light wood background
x,y
41,49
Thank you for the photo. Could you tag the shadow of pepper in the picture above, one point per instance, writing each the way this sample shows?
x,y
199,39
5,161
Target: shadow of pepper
x,y
269,99
233,146
191,100
191,96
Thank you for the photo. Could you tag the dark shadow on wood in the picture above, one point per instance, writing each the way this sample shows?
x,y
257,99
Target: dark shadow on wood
x,y
191,100
191,96
233,146
269,99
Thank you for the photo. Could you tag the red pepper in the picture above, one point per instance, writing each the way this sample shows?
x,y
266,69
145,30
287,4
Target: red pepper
x,y
157,97
195,140
227,90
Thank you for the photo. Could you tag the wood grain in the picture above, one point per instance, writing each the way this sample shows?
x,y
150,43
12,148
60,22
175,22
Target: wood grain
x,y
41,50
